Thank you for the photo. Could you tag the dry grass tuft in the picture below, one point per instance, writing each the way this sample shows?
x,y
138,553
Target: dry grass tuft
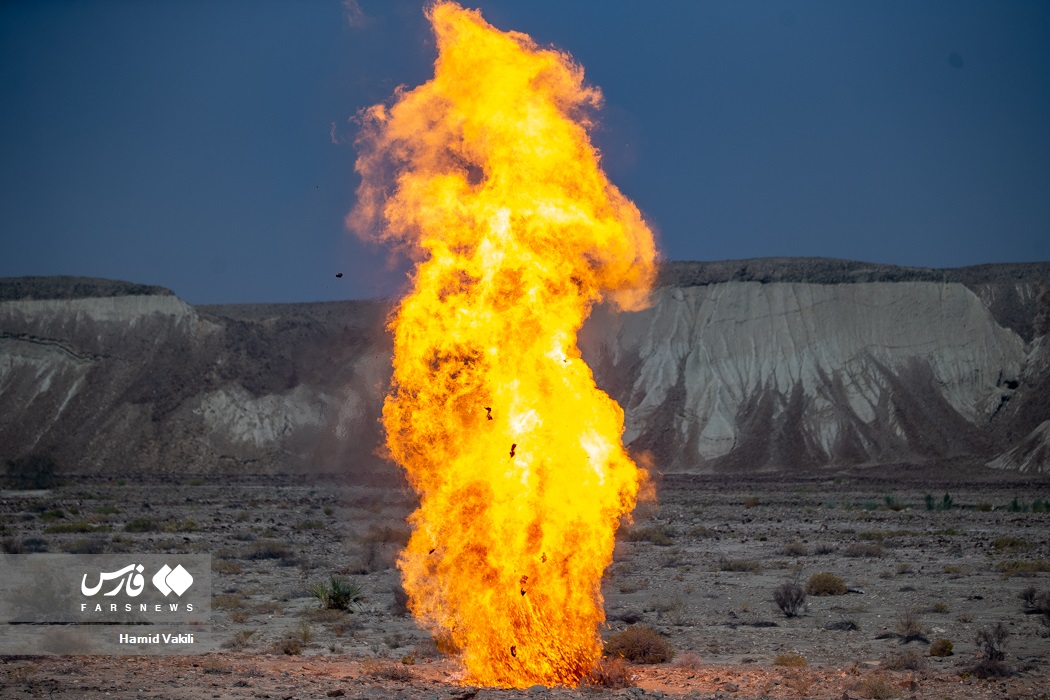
x,y
1009,569
864,550
790,660
238,641
388,671
744,565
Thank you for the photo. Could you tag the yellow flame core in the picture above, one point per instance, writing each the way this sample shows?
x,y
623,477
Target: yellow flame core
x,y
486,175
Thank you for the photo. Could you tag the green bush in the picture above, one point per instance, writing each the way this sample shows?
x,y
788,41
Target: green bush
x,y
639,644
337,594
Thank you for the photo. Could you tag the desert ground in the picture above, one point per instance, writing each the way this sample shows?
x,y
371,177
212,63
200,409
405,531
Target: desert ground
x,y
925,554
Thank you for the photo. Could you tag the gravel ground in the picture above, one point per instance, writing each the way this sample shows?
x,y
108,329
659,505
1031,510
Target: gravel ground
x,y
699,566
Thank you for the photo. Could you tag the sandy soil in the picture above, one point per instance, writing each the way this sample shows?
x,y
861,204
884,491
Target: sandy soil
x,y
699,566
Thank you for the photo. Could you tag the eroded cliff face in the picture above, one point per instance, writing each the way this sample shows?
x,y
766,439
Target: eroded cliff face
x,y
748,366
762,377
133,382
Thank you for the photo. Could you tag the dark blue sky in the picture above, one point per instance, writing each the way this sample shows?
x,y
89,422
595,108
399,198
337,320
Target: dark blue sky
x,y
206,147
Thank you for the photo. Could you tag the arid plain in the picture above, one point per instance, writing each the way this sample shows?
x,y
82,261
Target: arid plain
x,y
924,555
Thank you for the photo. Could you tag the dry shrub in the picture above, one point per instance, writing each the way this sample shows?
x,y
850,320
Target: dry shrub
x,y
239,616
639,644
288,645
909,627
609,673
238,641
790,660
824,583
689,661
800,683
877,687
905,661
991,643
1036,603
790,598
795,549
388,671
942,647
225,566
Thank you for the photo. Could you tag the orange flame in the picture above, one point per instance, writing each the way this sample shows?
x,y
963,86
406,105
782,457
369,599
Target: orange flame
x,y
486,176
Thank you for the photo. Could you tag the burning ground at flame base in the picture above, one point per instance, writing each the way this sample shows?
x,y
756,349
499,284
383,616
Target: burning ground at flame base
x,y
486,177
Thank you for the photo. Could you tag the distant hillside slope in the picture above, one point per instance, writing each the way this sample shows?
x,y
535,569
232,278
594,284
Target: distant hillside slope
x,y
752,365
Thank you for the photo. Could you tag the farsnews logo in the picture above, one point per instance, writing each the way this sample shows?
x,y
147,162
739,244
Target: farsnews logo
x,y
166,580
169,580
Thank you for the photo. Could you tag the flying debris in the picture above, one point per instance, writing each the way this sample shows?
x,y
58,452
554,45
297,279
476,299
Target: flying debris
x,y
339,274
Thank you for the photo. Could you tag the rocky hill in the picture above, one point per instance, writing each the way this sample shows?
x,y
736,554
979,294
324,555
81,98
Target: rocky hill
x,y
754,366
